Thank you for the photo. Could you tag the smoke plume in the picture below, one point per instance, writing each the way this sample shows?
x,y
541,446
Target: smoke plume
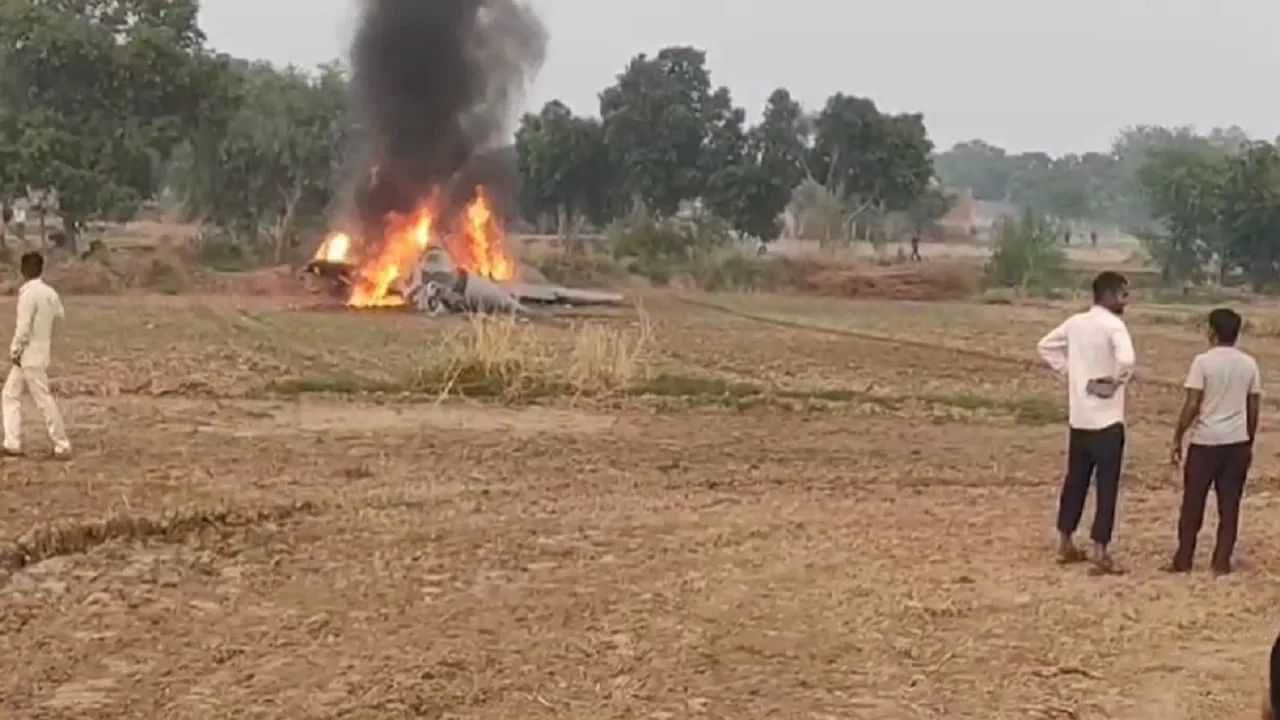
x,y
435,86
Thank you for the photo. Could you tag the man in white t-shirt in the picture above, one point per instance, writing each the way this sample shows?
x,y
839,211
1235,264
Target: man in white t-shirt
x,y
1224,390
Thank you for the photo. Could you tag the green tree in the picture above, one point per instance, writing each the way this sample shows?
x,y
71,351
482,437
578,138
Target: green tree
x,y
1184,187
1251,213
751,174
1215,200
932,204
276,158
94,95
782,140
863,163
983,168
1057,188
657,121
865,157
1026,255
749,198
564,167
1128,198
726,143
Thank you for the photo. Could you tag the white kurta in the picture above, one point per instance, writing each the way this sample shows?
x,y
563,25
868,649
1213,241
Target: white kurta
x,y
38,307
1091,345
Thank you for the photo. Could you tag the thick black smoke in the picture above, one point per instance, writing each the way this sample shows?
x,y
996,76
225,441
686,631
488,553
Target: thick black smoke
x,y
435,86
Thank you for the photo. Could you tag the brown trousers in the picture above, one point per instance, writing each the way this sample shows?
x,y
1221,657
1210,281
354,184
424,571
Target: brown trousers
x,y
1224,468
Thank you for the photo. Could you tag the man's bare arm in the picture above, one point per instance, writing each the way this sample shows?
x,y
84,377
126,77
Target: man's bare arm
x,y
1190,411
1253,407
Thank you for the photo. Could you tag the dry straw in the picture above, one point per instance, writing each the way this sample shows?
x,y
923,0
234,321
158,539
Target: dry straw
x,y
515,360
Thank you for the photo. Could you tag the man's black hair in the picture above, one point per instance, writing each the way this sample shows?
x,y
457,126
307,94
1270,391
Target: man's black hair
x,y
32,265
1108,282
7,214
1225,324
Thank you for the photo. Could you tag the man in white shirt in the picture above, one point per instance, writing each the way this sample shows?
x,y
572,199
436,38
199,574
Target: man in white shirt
x,y
20,223
38,307
1094,352
1224,393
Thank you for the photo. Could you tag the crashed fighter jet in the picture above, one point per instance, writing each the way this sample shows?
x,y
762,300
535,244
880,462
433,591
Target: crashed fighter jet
x,y
437,286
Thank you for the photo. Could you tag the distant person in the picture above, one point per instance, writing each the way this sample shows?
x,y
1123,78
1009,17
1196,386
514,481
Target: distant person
x,y
38,307
1094,352
1093,239
20,223
915,249
1224,392
1067,238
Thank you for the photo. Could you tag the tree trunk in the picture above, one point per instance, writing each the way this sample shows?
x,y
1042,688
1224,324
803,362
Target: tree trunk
x,y
286,222
561,222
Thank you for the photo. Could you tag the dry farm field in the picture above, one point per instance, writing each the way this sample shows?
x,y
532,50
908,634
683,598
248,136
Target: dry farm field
x,y
803,508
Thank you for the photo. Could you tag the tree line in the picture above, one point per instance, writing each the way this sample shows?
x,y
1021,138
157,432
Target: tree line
x,y
109,104
1206,205
113,103
666,137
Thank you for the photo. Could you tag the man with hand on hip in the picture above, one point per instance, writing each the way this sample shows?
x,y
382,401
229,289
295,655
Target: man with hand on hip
x,y
38,307
1095,353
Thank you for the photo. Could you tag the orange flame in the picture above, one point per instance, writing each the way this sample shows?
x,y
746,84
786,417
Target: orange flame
x,y
405,240
476,245
483,253
335,248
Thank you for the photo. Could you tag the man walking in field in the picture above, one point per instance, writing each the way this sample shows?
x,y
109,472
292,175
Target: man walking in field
x,y
1094,352
1224,392
38,307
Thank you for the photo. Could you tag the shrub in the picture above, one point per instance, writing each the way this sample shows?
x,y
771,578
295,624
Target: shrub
x,y
732,271
220,250
660,249
580,269
164,275
1026,256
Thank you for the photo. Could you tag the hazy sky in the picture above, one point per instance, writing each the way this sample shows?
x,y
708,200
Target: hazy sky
x,y
1025,74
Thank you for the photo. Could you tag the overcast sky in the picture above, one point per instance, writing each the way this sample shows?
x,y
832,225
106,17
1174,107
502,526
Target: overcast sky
x,y
1024,74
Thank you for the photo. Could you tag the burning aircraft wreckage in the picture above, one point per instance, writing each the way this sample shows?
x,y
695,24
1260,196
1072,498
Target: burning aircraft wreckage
x,y
464,270
434,83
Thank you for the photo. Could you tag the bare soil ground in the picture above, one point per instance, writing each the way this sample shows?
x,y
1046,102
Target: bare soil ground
x,y
818,509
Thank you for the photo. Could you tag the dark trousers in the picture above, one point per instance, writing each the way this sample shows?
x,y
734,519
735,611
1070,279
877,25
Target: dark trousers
x,y
1090,454
1224,467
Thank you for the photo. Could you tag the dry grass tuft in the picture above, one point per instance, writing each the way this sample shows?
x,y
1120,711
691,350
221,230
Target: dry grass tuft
x,y
488,357
502,357
607,360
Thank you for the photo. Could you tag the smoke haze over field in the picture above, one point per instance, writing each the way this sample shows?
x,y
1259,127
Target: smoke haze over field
x,y
435,84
